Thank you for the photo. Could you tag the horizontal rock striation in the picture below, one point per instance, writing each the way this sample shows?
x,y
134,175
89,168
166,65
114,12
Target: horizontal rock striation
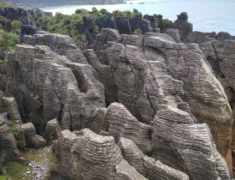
x,y
152,102
123,124
187,141
86,155
8,146
48,85
147,165
219,52
32,139
159,74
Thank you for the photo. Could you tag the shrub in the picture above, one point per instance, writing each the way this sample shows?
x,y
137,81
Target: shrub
x,y
16,26
8,40
138,32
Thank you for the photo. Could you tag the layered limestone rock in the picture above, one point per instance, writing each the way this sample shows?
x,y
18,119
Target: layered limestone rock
x,y
52,130
32,139
165,108
123,124
86,155
220,56
14,121
174,139
12,109
49,85
148,166
183,25
202,91
161,73
8,146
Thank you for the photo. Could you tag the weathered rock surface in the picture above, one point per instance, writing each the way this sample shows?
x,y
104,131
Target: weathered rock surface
x,y
8,146
152,86
32,139
14,121
28,17
52,130
183,25
12,109
157,108
146,165
48,85
86,155
123,124
220,56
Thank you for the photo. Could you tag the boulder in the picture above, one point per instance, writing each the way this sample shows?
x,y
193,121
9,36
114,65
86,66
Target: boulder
x,y
32,139
12,109
52,130
86,155
8,146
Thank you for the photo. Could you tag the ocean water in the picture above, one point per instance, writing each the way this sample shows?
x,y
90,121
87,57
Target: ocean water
x,y
206,15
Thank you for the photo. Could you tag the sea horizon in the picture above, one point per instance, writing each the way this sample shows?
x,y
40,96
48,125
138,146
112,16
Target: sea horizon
x,y
206,16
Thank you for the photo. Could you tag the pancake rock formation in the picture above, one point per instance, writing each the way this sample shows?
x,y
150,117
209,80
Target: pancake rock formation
x,y
126,108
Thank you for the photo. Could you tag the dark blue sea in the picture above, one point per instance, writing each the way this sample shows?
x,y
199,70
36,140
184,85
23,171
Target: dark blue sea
x,y
206,15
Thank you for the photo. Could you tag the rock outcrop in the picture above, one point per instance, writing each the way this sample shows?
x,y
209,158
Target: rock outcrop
x,y
148,166
86,155
32,139
8,146
133,107
183,25
25,16
220,56
50,85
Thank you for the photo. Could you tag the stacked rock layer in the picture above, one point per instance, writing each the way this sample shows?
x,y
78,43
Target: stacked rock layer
x,y
130,108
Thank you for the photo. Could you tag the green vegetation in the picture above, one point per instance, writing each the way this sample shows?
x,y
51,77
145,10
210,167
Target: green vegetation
x,y
127,14
17,170
85,22
16,26
8,40
44,158
14,129
138,32
65,24
165,23
3,178
40,156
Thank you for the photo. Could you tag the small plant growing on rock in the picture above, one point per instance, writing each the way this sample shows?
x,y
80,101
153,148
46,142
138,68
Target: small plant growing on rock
x,y
137,32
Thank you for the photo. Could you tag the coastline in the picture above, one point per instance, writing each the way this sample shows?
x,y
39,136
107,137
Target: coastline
x,y
207,21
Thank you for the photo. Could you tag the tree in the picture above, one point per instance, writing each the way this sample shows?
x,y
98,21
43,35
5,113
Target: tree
x,y
8,40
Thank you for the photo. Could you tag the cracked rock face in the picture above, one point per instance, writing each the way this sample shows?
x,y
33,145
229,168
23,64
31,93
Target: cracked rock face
x,y
220,56
132,108
48,85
